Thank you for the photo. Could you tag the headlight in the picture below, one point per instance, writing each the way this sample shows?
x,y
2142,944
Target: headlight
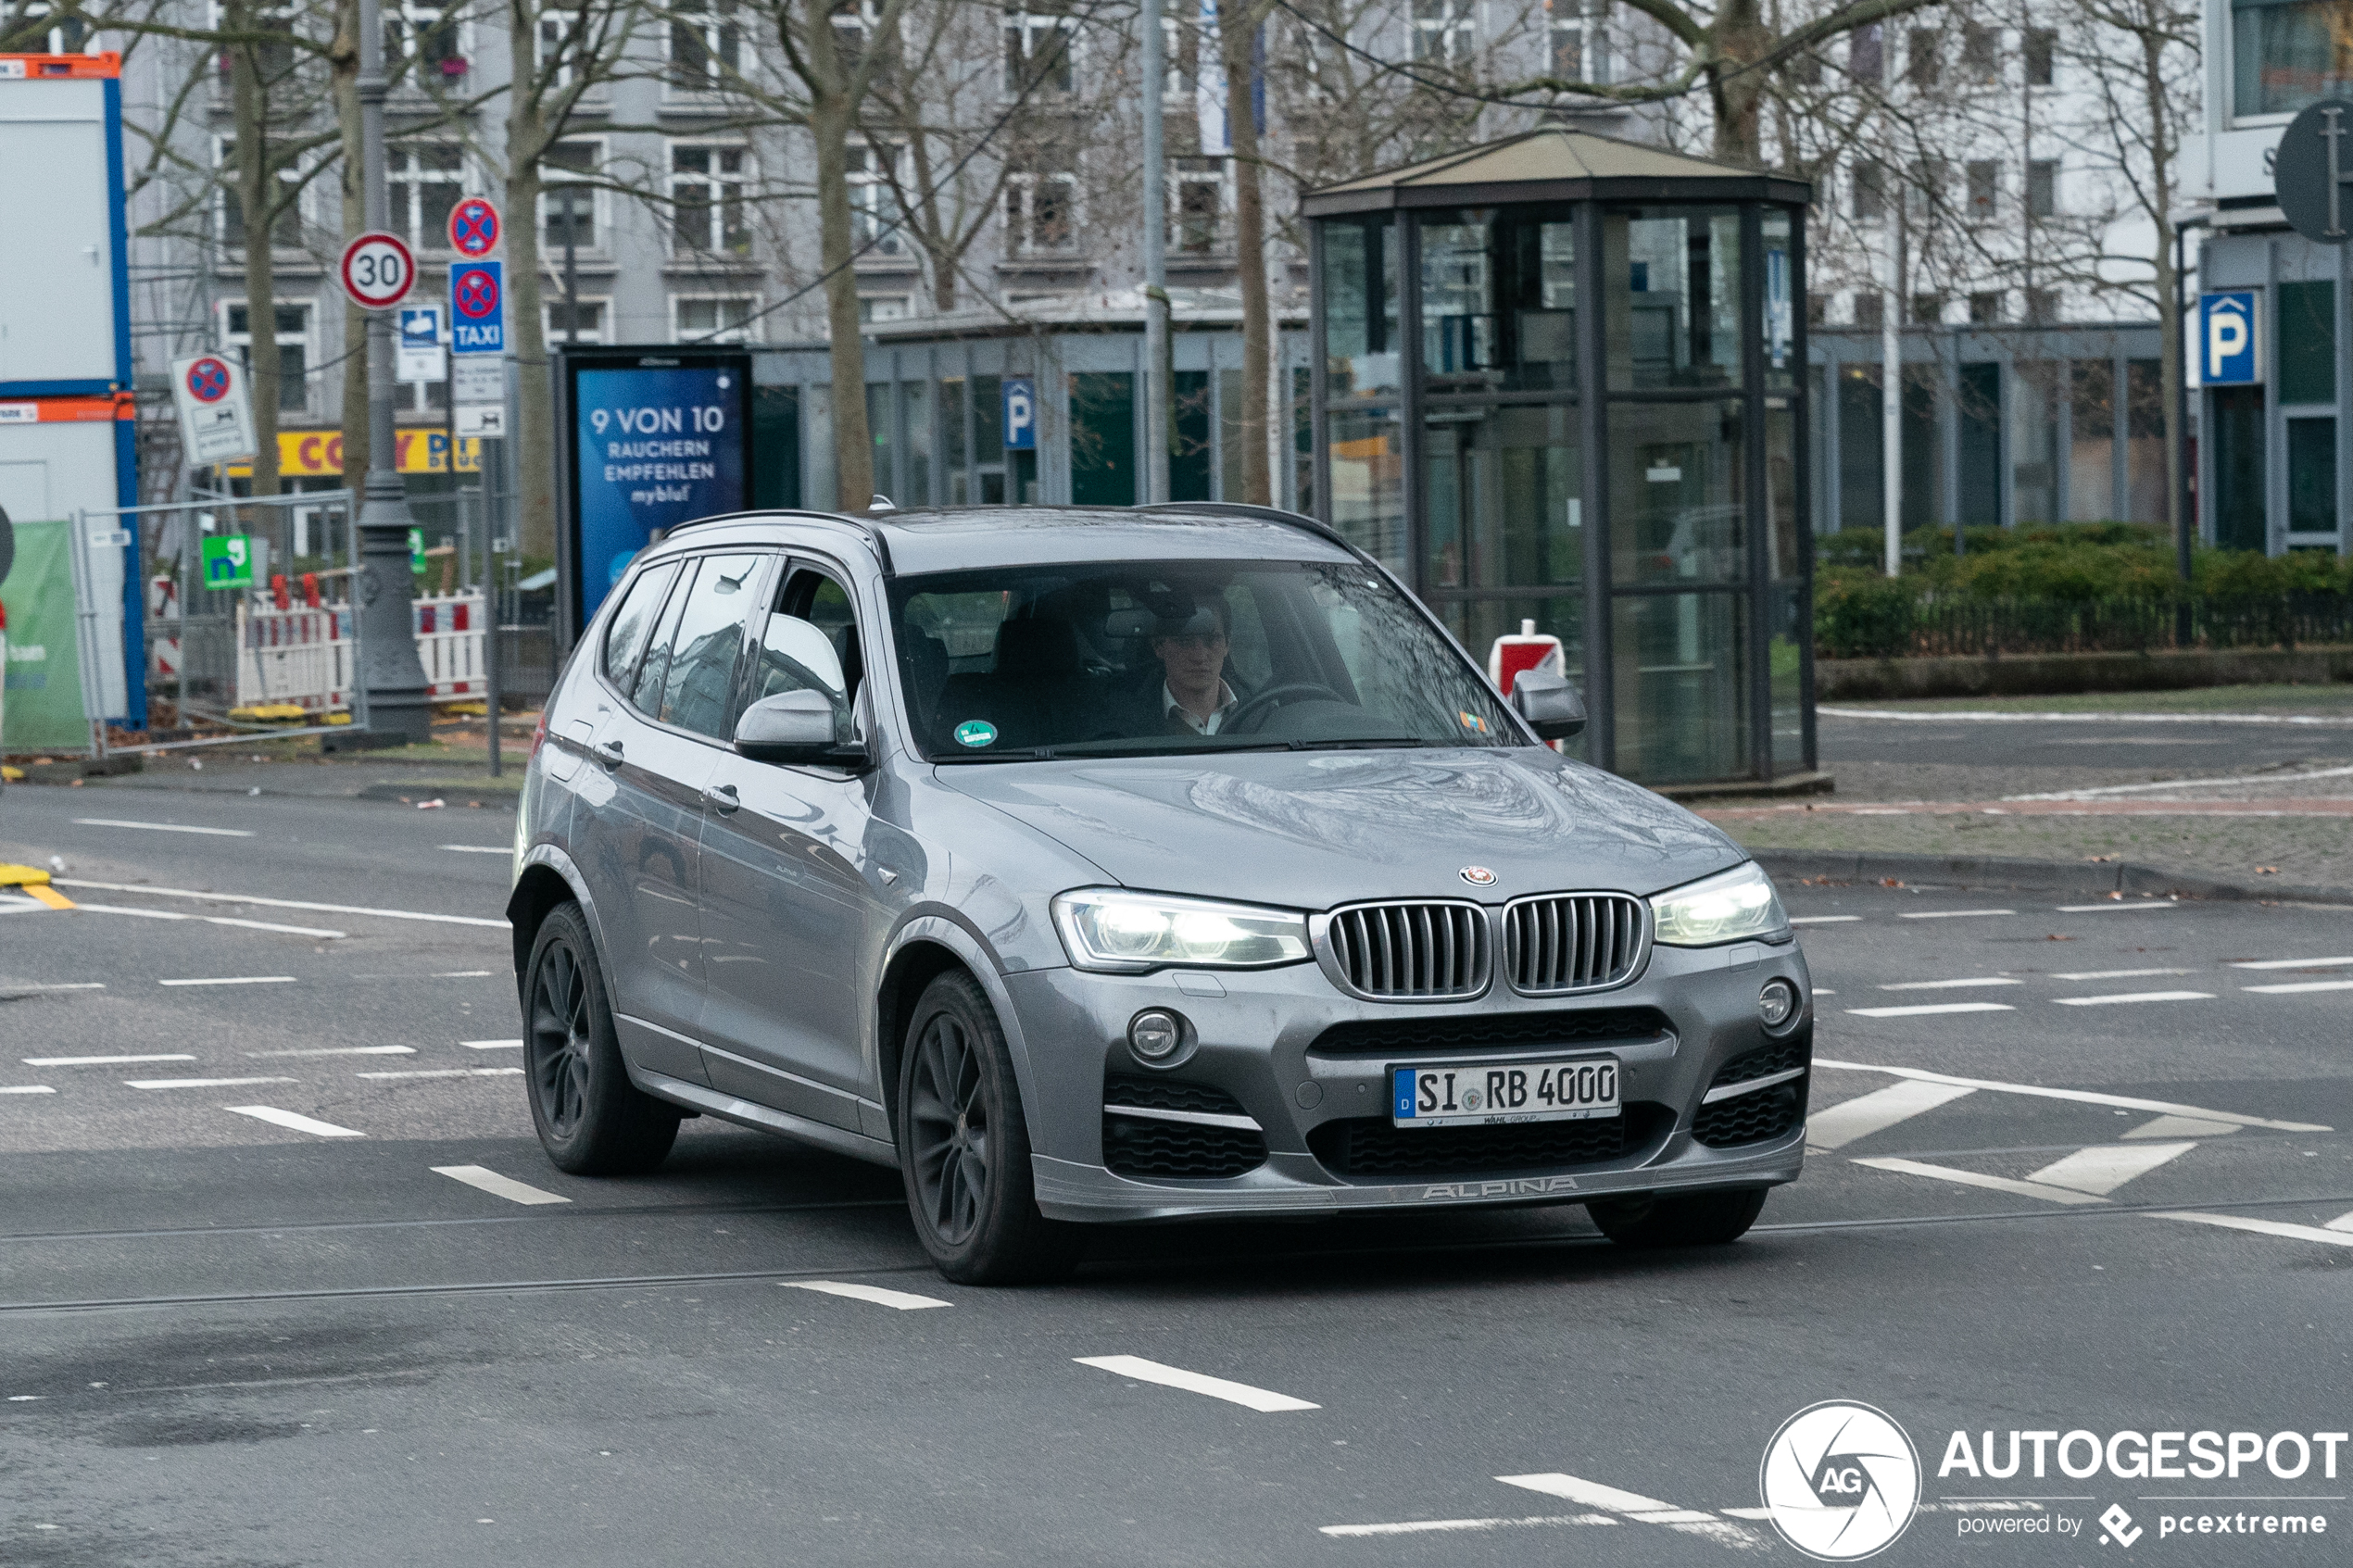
x,y
1104,928
1724,907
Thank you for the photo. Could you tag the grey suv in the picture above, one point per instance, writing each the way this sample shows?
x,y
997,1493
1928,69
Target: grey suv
x,y
1097,865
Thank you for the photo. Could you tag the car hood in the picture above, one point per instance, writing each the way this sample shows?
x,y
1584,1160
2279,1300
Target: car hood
x,y
1311,830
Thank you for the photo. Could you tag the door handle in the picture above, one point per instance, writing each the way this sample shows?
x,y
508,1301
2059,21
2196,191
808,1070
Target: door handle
x,y
608,752
723,797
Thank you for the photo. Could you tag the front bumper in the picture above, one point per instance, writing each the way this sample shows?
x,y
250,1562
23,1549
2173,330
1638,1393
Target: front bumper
x,y
1254,1035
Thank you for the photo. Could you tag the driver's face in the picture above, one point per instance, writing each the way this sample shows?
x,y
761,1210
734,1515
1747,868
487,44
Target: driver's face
x,y
1192,660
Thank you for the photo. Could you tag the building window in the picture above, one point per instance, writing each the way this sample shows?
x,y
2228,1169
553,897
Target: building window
x,y
558,315
2042,49
875,215
1985,308
706,44
2042,307
2285,57
1871,190
424,184
430,34
888,307
1984,191
1866,55
713,320
2042,188
285,230
567,205
1041,210
1200,200
1924,190
294,350
1040,43
857,28
1445,32
708,213
1981,53
1928,310
566,39
1869,308
1574,45
66,34
1180,49
1923,56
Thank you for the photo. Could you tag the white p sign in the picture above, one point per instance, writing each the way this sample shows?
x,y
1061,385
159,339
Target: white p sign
x,y
2227,323
1021,414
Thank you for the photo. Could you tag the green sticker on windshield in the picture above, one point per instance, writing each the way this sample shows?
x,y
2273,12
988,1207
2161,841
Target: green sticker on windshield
x,y
975,732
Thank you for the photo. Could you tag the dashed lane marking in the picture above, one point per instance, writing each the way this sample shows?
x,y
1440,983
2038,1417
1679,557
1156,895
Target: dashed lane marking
x,y
446,1073
1952,984
480,848
2087,1097
2117,904
2127,996
26,1089
2103,1168
1142,1371
343,1051
102,1060
279,903
2330,1236
492,1045
13,992
2116,973
1979,1179
1648,1510
160,827
210,919
1924,1010
236,980
1823,920
48,896
905,1302
1877,1111
1440,1526
2182,1127
200,1083
1951,914
487,1180
299,1123
2299,988
2290,964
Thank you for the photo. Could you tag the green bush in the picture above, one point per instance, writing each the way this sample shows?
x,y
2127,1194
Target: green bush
x,y
1861,614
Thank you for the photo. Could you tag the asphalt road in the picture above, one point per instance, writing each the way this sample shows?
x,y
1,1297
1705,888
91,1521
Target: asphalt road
x,y
237,1339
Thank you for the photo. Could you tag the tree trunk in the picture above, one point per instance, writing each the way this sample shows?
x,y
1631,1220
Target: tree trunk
x,y
343,65
935,251
534,434
250,129
1239,27
853,443
2163,150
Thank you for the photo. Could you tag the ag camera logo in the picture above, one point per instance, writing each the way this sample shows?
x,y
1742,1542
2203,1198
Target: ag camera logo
x,y
1843,1481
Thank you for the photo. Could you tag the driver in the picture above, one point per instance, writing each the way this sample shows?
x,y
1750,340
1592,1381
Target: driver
x,y
1192,652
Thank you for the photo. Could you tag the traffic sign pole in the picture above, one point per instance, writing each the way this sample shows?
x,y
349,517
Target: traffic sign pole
x,y
391,674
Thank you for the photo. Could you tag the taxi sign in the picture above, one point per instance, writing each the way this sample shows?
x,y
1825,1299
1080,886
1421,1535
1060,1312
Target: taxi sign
x,y
477,306
378,270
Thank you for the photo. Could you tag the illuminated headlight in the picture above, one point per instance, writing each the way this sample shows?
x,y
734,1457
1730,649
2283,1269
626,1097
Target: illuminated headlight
x,y
1724,907
1104,928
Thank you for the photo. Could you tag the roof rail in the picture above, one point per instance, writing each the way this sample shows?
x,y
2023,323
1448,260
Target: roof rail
x,y
873,535
1265,514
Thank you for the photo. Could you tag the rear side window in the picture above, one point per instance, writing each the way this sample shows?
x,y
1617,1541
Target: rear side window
x,y
633,624
646,696
701,678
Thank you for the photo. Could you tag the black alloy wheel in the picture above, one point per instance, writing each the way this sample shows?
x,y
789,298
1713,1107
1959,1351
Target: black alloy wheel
x,y
591,1118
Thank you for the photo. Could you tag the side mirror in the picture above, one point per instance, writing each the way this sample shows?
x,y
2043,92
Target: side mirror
x,y
1549,703
798,729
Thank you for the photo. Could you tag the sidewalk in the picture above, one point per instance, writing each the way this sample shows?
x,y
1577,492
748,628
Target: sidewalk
x,y
454,767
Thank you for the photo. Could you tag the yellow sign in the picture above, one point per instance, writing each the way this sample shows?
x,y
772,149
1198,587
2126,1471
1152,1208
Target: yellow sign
x,y
305,454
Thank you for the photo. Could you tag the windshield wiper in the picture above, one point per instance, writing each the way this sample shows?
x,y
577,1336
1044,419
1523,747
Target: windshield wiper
x,y
1346,742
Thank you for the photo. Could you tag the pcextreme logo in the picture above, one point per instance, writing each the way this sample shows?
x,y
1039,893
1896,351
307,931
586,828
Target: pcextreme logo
x,y
1841,1479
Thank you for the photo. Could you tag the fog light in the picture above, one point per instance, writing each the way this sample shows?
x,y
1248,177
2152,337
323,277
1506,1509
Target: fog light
x,y
1777,1003
1155,1034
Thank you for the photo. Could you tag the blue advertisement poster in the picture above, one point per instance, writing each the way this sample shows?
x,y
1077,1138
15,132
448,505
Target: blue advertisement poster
x,y
657,448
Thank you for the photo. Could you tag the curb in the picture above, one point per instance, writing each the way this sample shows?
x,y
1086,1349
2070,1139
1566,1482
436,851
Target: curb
x,y
2044,876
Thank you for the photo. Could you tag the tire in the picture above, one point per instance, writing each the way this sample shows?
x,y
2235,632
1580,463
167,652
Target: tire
x,y
1701,1219
964,1146
591,1118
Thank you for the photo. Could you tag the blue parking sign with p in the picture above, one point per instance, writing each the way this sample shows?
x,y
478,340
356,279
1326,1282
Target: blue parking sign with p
x,y
1021,414
2228,343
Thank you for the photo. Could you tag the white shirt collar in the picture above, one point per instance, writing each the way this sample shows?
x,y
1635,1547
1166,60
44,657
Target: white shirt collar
x,y
1227,703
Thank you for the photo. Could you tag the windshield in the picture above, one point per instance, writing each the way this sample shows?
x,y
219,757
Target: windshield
x,y
1139,658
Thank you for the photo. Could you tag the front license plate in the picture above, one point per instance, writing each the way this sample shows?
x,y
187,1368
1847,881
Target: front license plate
x,y
1490,1094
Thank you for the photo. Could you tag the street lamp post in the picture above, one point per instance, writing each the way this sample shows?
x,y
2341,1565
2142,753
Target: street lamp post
x,y
398,709
1157,379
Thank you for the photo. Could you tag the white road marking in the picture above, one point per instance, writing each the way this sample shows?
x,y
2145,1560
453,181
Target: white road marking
x,y
278,903
2103,1168
73,985
26,1089
2330,1235
2182,1127
465,974
2087,1097
200,1083
1876,1111
2121,997
2291,963
160,827
1951,984
1143,1370
1823,920
1649,1511
492,1045
1952,915
1979,1179
236,980
491,1182
1924,1010
446,1073
1978,716
2114,903
903,1300
344,1051
270,1113
2162,784
2342,1222
1436,1527
102,1060
211,920
480,848
2116,973
2300,988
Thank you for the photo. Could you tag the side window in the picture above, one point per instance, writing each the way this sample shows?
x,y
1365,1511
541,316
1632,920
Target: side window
x,y
632,623
701,681
646,697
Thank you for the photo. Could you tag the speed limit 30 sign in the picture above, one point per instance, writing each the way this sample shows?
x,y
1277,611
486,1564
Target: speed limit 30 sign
x,y
378,271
